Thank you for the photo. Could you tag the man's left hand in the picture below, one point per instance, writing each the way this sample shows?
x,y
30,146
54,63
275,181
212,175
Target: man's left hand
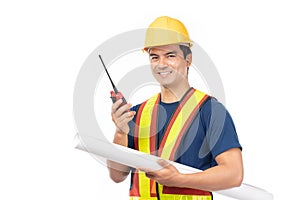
x,y
167,176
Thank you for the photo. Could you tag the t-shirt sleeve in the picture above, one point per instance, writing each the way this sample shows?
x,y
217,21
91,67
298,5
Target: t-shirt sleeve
x,y
221,134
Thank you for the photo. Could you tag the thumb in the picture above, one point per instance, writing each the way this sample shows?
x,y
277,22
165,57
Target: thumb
x,y
163,162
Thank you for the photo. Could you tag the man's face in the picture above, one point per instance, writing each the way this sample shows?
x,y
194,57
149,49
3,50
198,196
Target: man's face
x,y
168,65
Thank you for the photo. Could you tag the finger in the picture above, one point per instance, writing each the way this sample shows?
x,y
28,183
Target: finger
x,y
123,123
122,109
118,110
116,105
149,175
127,116
146,170
114,109
163,162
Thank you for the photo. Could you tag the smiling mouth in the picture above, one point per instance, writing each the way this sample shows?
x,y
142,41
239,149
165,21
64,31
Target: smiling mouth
x,y
164,73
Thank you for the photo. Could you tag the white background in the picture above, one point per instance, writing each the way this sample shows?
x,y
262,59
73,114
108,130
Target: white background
x,y
255,46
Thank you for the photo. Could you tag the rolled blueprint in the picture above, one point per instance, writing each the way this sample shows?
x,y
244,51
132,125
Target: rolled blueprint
x,y
137,159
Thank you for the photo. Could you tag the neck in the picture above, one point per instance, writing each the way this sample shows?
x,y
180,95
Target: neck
x,y
170,95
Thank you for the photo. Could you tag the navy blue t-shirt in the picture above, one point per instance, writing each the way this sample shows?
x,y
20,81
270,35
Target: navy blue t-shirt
x,y
211,133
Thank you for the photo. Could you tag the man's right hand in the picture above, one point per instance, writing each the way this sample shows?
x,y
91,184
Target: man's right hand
x,y
121,115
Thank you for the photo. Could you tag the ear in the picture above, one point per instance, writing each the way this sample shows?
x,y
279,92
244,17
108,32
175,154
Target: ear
x,y
189,59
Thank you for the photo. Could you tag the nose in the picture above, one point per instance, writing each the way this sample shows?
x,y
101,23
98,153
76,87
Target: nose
x,y
162,61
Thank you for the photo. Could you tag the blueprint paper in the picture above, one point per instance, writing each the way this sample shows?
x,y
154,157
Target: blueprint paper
x,y
137,159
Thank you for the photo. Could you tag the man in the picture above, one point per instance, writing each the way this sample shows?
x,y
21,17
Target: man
x,y
180,124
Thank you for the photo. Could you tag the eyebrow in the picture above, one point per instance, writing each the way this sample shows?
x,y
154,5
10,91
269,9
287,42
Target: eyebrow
x,y
168,53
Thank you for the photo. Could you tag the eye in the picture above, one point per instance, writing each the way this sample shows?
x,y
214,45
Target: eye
x,y
153,58
171,56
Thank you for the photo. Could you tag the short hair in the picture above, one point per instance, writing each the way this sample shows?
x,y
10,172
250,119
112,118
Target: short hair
x,y
186,50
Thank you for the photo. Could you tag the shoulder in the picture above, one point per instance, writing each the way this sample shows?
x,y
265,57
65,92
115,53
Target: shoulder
x,y
213,110
212,105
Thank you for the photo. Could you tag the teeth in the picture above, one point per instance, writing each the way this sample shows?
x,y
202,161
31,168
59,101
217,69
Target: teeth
x,y
164,73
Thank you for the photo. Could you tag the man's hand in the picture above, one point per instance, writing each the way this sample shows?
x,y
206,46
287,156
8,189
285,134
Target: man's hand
x,y
121,116
167,176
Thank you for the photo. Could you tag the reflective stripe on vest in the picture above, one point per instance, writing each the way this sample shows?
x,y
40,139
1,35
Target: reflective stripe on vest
x,y
145,131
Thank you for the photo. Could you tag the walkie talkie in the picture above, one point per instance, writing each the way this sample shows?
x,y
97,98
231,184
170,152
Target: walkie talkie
x,y
114,95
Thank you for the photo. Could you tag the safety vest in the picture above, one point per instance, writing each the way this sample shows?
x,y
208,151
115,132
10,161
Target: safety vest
x,y
143,188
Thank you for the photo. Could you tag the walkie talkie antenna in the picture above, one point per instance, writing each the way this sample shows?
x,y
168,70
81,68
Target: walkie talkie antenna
x,y
112,83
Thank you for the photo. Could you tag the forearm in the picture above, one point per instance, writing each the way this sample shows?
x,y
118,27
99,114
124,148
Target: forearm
x,y
227,174
216,178
118,172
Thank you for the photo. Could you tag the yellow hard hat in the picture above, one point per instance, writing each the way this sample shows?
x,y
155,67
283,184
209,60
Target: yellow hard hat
x,y
166,30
